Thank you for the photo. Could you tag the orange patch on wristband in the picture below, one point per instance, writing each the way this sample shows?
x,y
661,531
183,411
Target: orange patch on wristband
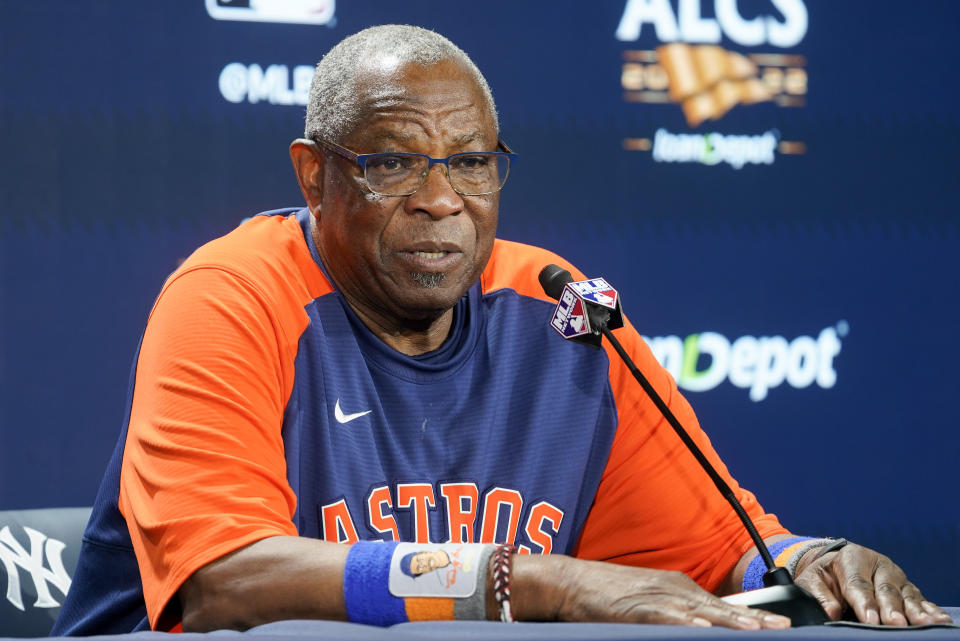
x,y
787,552
429,608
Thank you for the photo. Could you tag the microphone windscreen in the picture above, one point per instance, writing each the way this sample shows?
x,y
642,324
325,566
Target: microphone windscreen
x,y
552,279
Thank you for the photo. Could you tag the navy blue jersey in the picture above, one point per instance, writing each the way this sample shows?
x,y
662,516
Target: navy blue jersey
x,y
262,406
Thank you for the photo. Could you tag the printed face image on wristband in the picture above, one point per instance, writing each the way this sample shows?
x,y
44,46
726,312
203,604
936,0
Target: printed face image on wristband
x,y
435,570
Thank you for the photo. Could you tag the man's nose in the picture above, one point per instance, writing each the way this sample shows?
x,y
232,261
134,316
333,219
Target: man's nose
x,y
436,196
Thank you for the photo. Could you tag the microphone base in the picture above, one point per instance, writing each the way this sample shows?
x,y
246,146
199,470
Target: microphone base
x,y
791,601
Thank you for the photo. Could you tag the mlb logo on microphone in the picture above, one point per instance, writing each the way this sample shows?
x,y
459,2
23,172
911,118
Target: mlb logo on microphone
x,y
570,316
596,290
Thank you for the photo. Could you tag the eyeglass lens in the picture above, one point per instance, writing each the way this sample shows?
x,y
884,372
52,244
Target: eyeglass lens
x,y
470,174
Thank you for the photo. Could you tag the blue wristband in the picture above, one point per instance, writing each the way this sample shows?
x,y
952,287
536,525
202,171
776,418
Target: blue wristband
x,y
753,577
366,593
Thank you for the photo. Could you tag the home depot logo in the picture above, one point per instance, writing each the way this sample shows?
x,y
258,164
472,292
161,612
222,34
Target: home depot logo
x,y
692,70
703,361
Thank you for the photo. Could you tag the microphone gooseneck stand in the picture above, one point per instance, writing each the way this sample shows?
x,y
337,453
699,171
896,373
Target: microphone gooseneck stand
x,y
781,595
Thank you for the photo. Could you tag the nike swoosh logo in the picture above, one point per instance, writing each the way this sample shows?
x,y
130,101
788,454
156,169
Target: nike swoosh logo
x,y
346,418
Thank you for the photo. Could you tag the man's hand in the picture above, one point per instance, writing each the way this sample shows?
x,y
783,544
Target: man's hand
x,y
558,588
870,583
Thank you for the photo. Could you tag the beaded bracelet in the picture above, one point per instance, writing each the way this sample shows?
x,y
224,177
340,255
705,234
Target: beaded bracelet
x,y
501,580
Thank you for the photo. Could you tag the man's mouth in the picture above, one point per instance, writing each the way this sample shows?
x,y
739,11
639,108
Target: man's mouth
x,y
432,258
433,255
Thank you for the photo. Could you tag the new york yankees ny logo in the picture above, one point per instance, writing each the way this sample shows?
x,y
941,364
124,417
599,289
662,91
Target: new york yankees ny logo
x,y
12,554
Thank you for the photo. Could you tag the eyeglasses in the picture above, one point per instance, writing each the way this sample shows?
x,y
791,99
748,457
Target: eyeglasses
x,y
474,173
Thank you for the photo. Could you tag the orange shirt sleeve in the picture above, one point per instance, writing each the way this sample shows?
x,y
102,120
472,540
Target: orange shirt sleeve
x,y
655,506
203,471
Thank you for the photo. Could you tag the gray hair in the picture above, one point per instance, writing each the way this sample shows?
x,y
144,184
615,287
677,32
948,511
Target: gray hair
x,y
333,110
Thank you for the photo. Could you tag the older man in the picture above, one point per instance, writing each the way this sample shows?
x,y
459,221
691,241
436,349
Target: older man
x,y
378,366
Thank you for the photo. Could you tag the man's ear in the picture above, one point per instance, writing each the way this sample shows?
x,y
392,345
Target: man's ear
x,y
308,165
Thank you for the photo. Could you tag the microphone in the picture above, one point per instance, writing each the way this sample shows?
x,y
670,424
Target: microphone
x,y
553,278
601,314
585,308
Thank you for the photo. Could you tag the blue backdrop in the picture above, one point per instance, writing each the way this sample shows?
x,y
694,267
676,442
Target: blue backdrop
x,y
793,261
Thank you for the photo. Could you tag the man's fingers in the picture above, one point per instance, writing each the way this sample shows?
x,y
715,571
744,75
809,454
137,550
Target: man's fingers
x,y
705,610
936,612
872,585
907,606
716,612
901,602
752,619
913,607
854,572
707,614
824,589
859,592
891,603
694,612
918,610
670,616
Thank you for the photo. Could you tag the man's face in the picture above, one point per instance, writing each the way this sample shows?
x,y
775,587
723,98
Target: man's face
x,y
428,561
409,258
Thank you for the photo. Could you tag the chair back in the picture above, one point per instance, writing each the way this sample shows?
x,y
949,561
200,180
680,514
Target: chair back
x,y
38,555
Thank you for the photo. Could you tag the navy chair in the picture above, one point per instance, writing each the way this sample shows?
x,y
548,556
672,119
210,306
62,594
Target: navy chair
x,y
38,555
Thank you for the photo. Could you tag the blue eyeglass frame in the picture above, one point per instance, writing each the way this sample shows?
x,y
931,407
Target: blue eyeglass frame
x,y
361,159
